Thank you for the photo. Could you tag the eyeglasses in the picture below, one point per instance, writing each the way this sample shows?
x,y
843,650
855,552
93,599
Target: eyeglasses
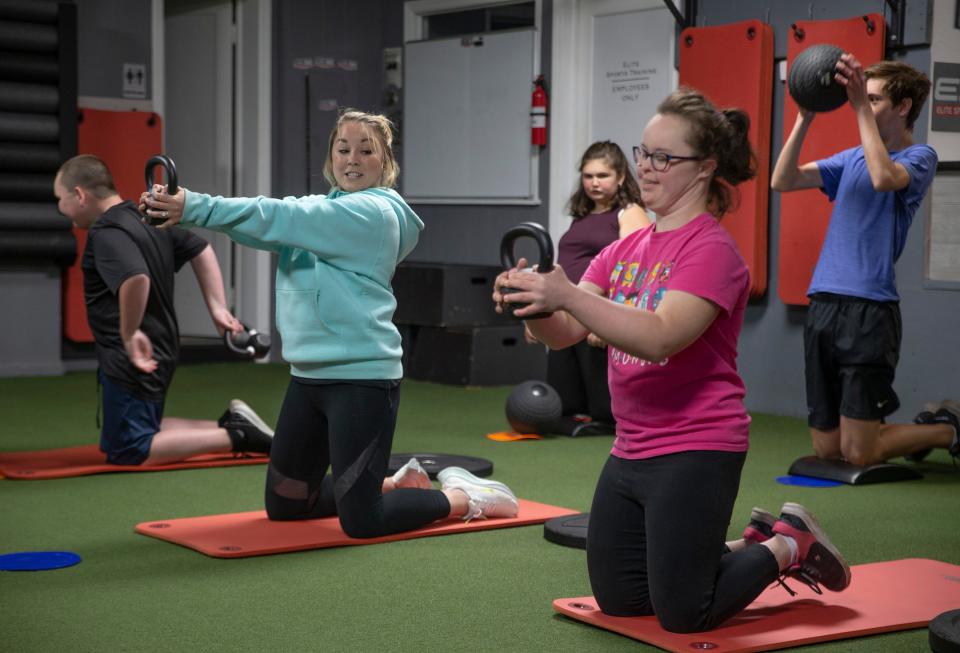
x,y
659,161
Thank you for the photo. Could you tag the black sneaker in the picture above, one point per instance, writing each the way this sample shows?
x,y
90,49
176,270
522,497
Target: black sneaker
x,y
949,414
818,560
923,417
248,433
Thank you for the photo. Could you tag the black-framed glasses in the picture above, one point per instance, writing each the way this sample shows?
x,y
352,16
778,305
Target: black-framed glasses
x,y
659,161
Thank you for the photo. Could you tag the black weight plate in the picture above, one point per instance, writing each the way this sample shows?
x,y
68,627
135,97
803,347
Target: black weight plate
x,y
432,463
945,632
570,530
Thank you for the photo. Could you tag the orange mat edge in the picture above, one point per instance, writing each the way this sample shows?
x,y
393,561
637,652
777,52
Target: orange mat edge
x,y
308,535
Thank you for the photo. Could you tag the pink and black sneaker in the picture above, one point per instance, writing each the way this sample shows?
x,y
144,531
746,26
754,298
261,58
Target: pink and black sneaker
x,y
818,560
760,528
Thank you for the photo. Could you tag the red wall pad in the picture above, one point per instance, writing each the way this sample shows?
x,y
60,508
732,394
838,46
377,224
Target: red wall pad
x,y
733,66
804,214
124,140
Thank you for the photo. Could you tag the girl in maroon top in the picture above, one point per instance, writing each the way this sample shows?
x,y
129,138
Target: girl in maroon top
x,y
605,207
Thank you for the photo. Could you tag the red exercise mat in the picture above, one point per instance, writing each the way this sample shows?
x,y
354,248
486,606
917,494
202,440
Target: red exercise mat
x,y
883,597
88,459
245,534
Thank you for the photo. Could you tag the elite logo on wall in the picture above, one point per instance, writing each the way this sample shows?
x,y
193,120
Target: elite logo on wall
x,y
945,104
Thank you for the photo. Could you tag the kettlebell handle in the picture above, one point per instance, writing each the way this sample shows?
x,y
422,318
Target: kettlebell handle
x,y
528,230
249,343
172,187
167,163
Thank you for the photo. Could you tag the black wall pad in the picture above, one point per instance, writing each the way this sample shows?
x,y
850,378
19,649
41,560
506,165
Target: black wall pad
x,y
570,530
840,470
59,246
29,157
34,98
27,186
446,294
944,632
28,37
483,355
29,128
28,10
432,463
39,216
29,67
69,76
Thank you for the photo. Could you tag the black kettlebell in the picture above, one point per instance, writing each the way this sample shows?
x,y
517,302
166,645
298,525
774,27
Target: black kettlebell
x,y
249,343
811,80
167,163
544,244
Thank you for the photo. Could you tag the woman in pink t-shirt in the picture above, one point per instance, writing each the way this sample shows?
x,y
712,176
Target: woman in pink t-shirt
x,y
669,301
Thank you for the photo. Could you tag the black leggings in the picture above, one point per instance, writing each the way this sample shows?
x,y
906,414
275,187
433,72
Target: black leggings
x,y
347,426
579,375
655,541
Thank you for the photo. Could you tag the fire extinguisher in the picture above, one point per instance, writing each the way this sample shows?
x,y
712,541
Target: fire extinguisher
x,y
538,112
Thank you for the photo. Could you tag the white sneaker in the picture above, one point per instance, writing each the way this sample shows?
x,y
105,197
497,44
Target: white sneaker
x,y
241,408
486,498
412,475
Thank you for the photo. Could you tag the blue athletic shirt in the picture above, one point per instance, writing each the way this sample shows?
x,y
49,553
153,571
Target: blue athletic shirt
x,y
868,229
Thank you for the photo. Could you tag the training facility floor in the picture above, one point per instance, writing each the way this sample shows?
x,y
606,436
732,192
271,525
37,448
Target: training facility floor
x,y
482,591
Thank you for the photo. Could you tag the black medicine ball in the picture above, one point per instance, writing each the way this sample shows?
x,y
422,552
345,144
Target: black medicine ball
x,y
811,80
533,407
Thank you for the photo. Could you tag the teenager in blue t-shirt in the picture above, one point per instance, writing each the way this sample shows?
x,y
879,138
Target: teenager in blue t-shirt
x,y
853,328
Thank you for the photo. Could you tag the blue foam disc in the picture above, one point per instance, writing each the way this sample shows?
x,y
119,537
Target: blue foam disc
x,y
807,481
37,560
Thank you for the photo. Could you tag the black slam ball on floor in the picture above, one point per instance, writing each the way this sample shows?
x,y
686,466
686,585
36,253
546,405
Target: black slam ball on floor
x,y
811,80
533,407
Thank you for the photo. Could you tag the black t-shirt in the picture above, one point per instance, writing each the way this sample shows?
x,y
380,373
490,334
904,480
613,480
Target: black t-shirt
x,y
119,246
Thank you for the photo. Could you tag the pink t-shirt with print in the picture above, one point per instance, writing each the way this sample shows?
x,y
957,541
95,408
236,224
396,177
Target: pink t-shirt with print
x,y
692,401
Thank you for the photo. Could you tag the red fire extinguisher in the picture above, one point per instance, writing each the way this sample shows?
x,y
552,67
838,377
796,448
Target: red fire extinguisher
x,y
538,112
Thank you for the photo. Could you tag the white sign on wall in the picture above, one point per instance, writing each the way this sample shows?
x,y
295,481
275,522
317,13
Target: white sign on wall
x,y
633,59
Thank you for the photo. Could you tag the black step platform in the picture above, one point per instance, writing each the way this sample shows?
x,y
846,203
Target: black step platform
x,y
570,530
432,463
844,472
574,428
944,632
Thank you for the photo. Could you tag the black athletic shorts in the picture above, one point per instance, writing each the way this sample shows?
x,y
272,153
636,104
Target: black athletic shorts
x,y
851,350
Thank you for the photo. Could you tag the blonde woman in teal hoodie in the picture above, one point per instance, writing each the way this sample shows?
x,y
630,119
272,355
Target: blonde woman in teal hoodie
x,y
336,257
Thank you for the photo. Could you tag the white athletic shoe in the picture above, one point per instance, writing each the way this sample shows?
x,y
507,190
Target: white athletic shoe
x,y
412,475
240,407
487,498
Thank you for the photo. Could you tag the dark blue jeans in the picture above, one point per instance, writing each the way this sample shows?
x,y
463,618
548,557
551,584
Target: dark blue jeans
x,y
347,427
655,542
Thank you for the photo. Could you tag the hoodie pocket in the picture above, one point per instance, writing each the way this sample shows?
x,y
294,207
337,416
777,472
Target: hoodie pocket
x,y
308,335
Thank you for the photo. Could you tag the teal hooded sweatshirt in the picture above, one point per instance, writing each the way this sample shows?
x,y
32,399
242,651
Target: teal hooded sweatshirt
x,y
337,255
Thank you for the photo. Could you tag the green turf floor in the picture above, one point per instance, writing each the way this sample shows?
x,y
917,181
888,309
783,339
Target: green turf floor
x,y
484,591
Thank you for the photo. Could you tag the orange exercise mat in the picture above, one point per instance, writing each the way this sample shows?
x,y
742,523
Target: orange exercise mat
x,y
244,534
883,597
82,461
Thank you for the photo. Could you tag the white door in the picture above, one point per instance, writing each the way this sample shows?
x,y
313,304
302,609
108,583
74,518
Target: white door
x,y
613,62
199,73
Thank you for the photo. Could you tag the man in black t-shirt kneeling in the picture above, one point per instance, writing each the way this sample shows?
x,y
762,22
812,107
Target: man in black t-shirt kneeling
x,y
128,278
